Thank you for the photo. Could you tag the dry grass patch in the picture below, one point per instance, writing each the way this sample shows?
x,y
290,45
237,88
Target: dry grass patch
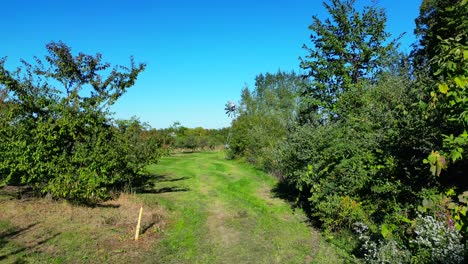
x,y
219,231
42,228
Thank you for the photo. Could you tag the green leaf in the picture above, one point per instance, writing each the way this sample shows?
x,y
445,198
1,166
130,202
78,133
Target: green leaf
x,y
422,209
406,220
459,82
387,230
427,203
452,206
433,170
443,88
451,65
456,155
450,192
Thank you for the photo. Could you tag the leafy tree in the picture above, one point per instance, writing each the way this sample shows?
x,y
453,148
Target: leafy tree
x,y
56,134
443,32
347,48
438,20
137,148
264,117
357,154
364,164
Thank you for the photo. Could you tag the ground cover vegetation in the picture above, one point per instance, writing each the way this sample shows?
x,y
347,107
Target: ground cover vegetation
x,y
371,142
198,208
223,211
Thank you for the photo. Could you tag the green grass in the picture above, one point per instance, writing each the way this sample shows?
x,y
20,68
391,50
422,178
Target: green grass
x,y
201,208
223,212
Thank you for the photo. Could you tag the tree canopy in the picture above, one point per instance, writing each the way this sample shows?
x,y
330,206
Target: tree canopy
x,y
57,134
347,48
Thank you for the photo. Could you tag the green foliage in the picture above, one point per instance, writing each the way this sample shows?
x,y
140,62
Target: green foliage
x,y
60,140
448,209
193,139
438,20
443,33
366,156
436,242
339,212
264,116
371,135
136,149
347,48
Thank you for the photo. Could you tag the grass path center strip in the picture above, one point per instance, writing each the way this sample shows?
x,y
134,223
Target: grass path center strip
x,y
226,214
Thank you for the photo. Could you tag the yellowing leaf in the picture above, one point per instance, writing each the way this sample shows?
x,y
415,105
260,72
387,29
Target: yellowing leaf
x,y
443,88
461,83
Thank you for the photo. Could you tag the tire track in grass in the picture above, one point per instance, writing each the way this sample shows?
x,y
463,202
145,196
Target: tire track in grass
x,y
228,215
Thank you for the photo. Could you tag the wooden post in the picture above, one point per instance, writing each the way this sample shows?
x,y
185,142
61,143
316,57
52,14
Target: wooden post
x,y
137,232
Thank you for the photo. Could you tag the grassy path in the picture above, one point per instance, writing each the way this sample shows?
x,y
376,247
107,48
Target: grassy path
x,y
201,208
222,211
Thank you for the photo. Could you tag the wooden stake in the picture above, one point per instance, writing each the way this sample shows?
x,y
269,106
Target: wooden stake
x,y
137,232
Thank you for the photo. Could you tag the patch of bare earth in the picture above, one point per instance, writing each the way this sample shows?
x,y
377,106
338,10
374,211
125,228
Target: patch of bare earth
x,y
42,225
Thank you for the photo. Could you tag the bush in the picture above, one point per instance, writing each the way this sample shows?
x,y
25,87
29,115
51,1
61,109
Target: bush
x,y
436,242
387,251
62,141
429,240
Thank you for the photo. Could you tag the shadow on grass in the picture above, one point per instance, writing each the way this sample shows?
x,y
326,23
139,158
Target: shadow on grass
x,y
288,192
153,181
106,205
12,233
166,178
164,190
18,192
144,229
285,191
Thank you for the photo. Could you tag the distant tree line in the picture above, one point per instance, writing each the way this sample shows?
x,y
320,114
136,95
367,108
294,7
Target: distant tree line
x,y
180,138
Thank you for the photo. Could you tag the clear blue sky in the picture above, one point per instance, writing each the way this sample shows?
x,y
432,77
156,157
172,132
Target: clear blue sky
x,y
200,54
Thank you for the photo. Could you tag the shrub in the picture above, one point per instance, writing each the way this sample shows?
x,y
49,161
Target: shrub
x,y
380,251
436,242
61,140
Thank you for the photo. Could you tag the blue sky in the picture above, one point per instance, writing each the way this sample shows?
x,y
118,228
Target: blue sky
x,y
200,54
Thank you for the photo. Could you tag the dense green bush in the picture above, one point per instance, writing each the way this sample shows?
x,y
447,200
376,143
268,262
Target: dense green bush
x,y
56,133
357,157
375,133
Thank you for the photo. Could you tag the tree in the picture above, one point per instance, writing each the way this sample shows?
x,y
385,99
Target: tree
x,y
438,20
57,135
442,54
347,49
264,117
